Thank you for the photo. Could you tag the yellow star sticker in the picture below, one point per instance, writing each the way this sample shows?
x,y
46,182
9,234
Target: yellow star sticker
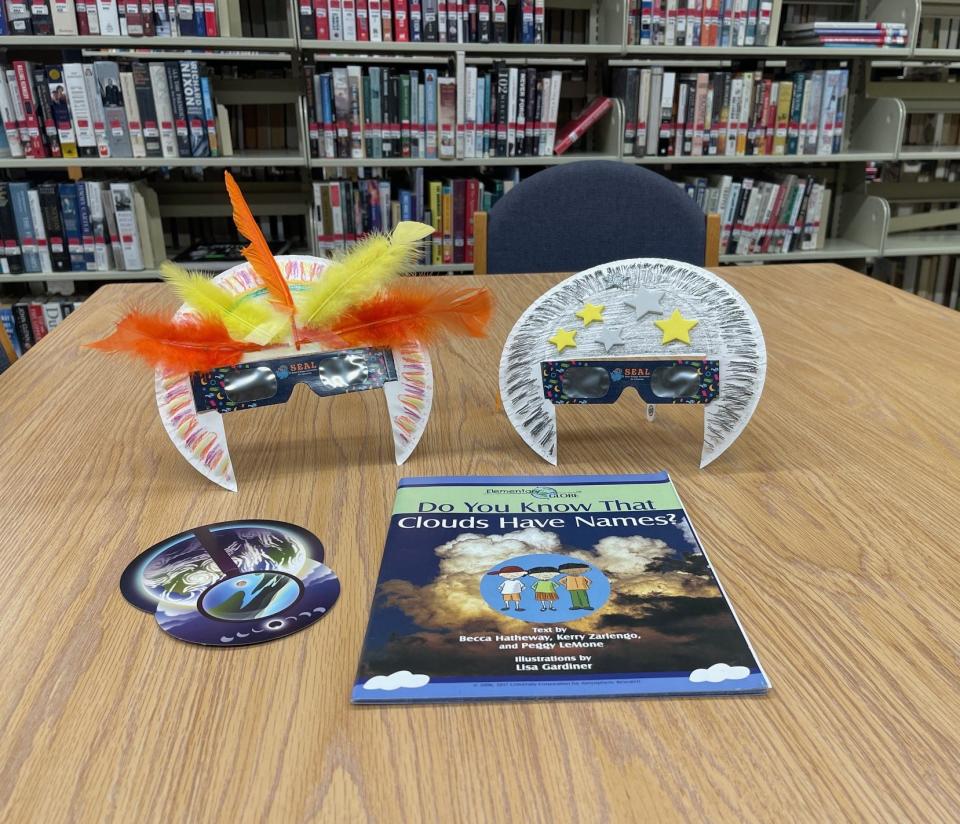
x,y
590,313
676,327
564,339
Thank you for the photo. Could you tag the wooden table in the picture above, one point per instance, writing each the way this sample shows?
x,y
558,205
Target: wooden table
x,y
833,523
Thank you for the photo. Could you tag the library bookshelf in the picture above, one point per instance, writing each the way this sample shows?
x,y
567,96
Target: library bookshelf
x,y
861,215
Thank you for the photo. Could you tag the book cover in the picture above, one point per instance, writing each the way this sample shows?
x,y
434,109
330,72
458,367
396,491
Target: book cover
x,y
86,228
163,110
71,110
98,117
56,237
127,231
149,123
576,128
108,15
24,223
42,93
70,212
39,231
21,319
548,587
193,100
179,106
111,97
23,74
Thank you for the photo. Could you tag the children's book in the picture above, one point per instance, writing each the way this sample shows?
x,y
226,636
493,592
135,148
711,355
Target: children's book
x,y
548,587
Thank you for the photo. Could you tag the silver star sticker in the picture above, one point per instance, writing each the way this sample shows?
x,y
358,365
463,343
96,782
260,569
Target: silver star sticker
x,y
610,337
645,302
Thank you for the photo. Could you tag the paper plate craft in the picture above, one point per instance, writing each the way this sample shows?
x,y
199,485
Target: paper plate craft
x,y
233,583
248,336
676,333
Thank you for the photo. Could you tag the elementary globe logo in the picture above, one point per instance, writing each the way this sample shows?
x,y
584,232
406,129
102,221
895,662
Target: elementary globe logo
x,y
543,492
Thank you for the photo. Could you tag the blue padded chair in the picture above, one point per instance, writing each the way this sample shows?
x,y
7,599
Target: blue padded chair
x,y
577,215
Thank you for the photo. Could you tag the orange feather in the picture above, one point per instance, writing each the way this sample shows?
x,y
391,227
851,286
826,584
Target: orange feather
x,y
258,252
189,345
407,312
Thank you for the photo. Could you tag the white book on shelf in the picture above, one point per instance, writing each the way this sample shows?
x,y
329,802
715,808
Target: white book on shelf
x,y
556,78
64,15
79,103
654,113
161,102
470,104
128,233
348,13
97,114
98,225
828,111
134,125
10,125
223,131
376,21
643,111
93,17
147,210
461,105
109,18
513,79
813,90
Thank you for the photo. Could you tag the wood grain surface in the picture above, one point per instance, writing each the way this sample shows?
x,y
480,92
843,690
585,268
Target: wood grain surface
x,y
833,524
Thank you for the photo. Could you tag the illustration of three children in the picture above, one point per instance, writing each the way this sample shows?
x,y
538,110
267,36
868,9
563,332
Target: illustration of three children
x,y
574,580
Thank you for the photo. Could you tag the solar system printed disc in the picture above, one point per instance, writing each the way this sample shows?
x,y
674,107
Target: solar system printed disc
x,y
233,583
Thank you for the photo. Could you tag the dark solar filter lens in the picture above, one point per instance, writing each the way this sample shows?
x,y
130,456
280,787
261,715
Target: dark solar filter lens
x,y
586,382
248,385
343,372
675,381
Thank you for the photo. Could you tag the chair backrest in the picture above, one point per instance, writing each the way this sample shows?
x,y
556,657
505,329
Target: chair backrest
x,y
581,214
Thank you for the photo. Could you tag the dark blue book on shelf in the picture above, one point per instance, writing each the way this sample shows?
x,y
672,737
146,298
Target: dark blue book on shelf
x,y
3,21
406,205
70,211
199,23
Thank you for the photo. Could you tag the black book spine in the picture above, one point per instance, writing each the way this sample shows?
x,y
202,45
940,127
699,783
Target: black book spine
x,y
308,20
148,111
179,108
8,231
309,74
503,91
796,231
21,320
386,142
396,149
56,239
537,117
42,92
451,24
737,229
499,21
40,16
521,107
530,114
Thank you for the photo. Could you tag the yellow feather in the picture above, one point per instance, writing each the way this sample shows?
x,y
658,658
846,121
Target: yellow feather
x,y
360,274
248,320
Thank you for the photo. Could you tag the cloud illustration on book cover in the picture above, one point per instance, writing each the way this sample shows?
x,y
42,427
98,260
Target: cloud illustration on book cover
x,y
397,680
719,672
655,589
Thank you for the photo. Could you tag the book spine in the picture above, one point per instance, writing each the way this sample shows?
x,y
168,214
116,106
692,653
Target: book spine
x,y
459,197
64,14
328,121
499,21
149,21
98,225
209,116
71,110
401,27
211,25
122,194
70,211
430,32
98,120
39,231
108,14
574,130
186,20
24,224
40,17
25,334
24,80
321,14
111,96
430,115
42,93
193,101
134,17
348,18
38,322
149,124
447,117
10,125
132,111
363,20
307,20
163,110
86,228
56,238
446,198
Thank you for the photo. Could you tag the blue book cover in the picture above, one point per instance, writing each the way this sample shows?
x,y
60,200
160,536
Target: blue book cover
x,y
86,229
24,221
10,327
70,212
406,205
199,22
326,111
3,21
209,114
548,587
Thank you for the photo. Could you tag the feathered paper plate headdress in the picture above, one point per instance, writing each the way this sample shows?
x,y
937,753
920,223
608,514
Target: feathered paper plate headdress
x,y
245,337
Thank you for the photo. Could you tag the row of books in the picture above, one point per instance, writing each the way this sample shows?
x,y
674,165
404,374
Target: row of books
x,y
839,34
423,21
163,109
919,171
88,226
121,18
698,22
374,112
24,322
939,31
670,113
934,277
781,213
347,209
932,129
